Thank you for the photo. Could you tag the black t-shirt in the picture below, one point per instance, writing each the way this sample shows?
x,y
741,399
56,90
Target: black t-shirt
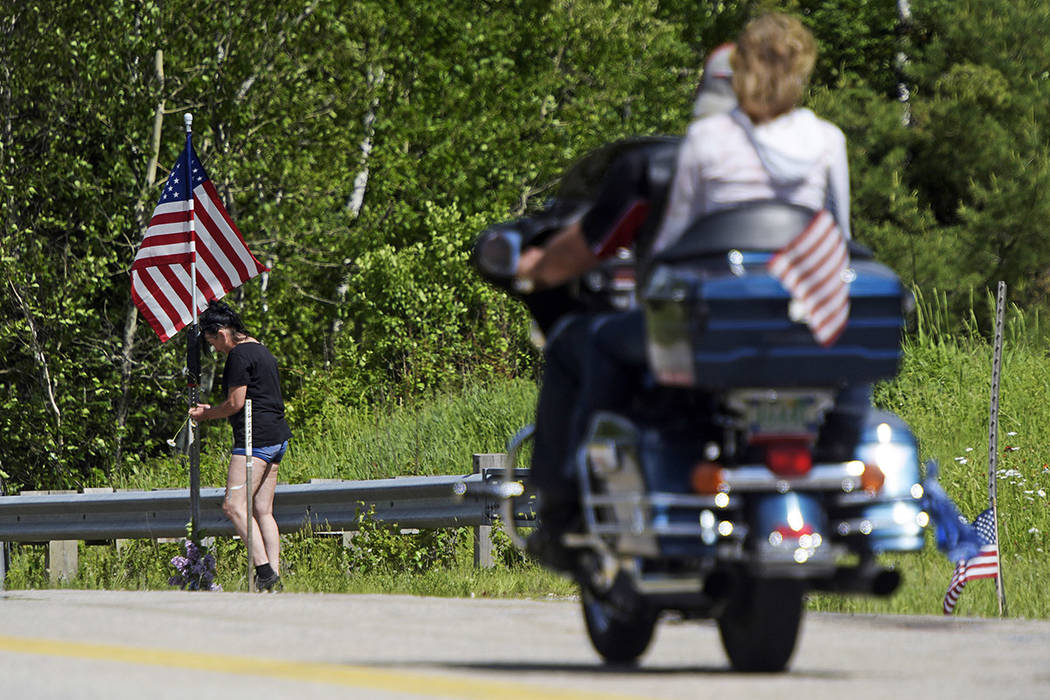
x,y
253,366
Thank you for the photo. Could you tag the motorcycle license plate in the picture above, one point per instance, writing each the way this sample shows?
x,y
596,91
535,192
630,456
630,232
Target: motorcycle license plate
x,y
777,413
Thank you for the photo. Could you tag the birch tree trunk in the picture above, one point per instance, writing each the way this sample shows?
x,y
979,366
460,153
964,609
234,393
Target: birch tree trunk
x,y
357,196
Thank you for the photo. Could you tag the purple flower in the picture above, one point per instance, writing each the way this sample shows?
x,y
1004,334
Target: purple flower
x,y
194,572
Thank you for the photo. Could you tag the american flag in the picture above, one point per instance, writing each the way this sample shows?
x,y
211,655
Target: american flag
x,y
985,564
813,268
161,285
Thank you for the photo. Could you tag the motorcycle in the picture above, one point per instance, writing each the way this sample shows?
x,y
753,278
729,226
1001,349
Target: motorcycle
x,y
753,470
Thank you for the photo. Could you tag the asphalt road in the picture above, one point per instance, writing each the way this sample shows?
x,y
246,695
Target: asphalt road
x,y
179,645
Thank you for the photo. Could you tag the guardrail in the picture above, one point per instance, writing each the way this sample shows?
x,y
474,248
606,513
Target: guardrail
x,y
412,502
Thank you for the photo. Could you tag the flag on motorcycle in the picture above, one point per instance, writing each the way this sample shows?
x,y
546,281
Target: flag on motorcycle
x,y
985,564
813,268
189,224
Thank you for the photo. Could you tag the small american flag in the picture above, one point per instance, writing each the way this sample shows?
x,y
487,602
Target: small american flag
x,y
813,268
161,285
985,564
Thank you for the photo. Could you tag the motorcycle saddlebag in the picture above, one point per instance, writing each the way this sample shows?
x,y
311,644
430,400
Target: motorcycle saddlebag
x,y
716,319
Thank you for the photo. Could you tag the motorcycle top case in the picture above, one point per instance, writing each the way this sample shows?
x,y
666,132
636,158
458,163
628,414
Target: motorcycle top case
x,y
717,319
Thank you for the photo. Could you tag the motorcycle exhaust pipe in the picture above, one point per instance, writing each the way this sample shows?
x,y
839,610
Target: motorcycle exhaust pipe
x,y
873,581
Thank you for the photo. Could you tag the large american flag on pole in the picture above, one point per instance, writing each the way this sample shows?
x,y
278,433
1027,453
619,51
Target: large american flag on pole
x,y
161,278
813,268
985,564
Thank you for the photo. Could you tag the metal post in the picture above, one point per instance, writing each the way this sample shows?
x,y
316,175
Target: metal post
x,y
193,351
993,438
483,533
248,487
3,551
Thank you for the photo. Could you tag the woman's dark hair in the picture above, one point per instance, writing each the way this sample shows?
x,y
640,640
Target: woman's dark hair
x,y
219,315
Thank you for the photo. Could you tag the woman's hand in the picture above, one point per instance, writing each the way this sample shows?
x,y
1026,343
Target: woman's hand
x,y
233,403
197,412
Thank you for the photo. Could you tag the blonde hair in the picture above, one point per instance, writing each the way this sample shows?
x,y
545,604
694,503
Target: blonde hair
x,y
773,60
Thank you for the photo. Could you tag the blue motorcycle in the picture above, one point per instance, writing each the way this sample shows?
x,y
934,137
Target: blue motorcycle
x,y
754,468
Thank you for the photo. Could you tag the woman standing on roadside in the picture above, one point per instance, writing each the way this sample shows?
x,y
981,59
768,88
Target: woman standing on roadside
x,y
250,373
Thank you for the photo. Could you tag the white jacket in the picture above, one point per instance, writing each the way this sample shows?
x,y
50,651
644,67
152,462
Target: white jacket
x,y
726,160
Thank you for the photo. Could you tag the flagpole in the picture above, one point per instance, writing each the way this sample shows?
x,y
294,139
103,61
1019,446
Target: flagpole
x,y
193,347
993,440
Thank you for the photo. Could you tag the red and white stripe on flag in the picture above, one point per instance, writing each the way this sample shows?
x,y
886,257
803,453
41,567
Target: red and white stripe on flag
x,y
812,268
161,278
984,565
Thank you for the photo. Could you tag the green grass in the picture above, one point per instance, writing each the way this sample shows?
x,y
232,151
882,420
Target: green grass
x,y
944,393
439,436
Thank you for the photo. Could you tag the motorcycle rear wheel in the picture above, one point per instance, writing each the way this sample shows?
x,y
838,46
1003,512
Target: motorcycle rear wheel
x,y
619,636
760,625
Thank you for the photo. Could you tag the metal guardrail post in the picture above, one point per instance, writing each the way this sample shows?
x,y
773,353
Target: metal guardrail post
x,y
63,557
483,533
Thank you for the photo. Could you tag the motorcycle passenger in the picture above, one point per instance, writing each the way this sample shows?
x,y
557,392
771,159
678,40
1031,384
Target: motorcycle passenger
x,y
766,149
632,190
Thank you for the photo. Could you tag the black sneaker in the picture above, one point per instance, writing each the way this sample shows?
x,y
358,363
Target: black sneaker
x,y
270,584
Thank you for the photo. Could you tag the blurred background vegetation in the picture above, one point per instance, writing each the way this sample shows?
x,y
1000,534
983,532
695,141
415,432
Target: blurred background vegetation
x,y
361,145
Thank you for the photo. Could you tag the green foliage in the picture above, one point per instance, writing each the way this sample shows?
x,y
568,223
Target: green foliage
x,y
436,437
28,567
382,547
504,553
360,146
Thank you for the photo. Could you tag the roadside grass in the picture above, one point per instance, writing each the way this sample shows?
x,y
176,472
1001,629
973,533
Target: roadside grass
x,y
434,437
942,391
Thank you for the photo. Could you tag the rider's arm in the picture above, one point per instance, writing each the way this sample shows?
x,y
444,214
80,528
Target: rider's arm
x,y
567,256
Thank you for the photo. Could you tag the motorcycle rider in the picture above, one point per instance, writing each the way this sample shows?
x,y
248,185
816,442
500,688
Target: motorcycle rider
x,y
625,200
768,148
622,215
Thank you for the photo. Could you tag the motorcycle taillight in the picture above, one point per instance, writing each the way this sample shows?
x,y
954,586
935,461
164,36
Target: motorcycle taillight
x,y
789,457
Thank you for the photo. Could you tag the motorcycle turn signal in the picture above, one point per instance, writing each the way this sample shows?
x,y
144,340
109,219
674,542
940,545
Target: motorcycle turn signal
x,y
708,478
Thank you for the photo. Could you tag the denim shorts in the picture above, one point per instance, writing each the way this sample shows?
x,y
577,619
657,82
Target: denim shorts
x,y
271,454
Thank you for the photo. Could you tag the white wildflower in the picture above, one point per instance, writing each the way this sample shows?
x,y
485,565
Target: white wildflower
x,y
1033,531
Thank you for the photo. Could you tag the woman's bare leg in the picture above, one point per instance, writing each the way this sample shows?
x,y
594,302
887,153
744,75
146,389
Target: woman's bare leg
x,y
262,505
235,506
